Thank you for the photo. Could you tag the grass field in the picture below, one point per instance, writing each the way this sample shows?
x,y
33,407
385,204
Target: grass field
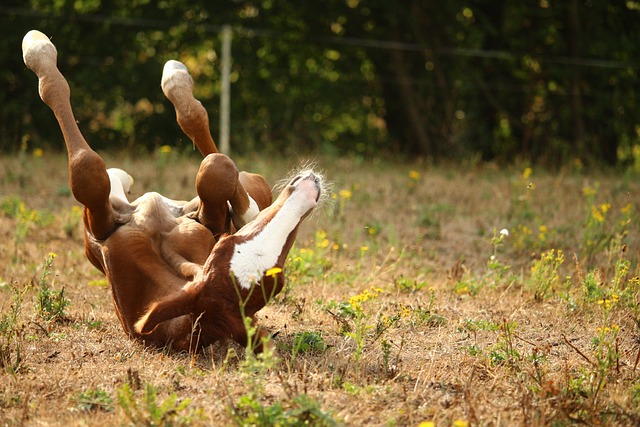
x,y
462,295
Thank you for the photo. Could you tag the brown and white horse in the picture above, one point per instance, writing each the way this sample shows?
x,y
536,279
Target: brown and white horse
x,y
180,272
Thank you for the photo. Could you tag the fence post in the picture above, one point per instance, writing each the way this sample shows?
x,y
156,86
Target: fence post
x,y
225,89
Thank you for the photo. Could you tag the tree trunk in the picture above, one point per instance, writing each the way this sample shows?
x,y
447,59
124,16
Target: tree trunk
x,y
411,103
575,34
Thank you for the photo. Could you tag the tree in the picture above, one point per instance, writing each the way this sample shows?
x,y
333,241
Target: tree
x,y
547,81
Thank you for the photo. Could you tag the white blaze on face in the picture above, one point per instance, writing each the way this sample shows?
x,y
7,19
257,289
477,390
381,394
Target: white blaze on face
x,y
252,258
121,183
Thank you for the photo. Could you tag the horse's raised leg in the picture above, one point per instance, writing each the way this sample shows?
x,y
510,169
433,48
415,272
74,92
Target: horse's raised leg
x,y
87,173
192,117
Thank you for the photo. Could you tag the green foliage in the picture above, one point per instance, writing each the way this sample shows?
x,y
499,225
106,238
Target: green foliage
x,y
295,410
404,284
72,221
505,350
50,305
342,76
12,332
359,323
25,219
145,409
430,219
544,274
302,410
308,342
94,400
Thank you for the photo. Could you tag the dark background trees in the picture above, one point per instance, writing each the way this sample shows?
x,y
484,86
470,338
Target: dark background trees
x,y
548,82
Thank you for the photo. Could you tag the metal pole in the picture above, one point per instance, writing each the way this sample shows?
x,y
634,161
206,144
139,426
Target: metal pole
x,y
227,35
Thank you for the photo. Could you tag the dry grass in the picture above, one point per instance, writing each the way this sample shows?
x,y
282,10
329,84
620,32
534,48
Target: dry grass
x,y
404,315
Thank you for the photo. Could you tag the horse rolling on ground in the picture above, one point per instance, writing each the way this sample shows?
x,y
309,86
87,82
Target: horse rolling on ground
x,y
182,274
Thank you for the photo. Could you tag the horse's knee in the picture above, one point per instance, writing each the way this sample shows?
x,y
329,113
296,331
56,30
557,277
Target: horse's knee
x,y
216,183
217,178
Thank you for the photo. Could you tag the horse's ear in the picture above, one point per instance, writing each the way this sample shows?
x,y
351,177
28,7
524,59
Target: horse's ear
x,y
169,308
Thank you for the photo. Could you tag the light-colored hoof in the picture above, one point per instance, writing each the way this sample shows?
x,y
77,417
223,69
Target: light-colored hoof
x,y
121,183
122,176
172,66
175,76
36,47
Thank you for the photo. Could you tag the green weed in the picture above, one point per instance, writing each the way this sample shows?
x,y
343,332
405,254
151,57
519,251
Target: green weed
x,y
361,320
144,408
296,410
302,410
505,350
308,342
522,188
404,284
12,332
50,305
358,323
25,219
544,278
430,219
94,400
72,219
497,271
599,232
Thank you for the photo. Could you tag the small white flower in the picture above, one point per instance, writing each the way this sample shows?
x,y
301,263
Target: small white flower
x,y
504,232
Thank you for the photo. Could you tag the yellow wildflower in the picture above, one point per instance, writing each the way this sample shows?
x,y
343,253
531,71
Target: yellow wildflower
x,y
38,152
165,149
414,175
462,290
366,295
273,271
527,173
596,214
404,311
589,191
542,236
345,194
